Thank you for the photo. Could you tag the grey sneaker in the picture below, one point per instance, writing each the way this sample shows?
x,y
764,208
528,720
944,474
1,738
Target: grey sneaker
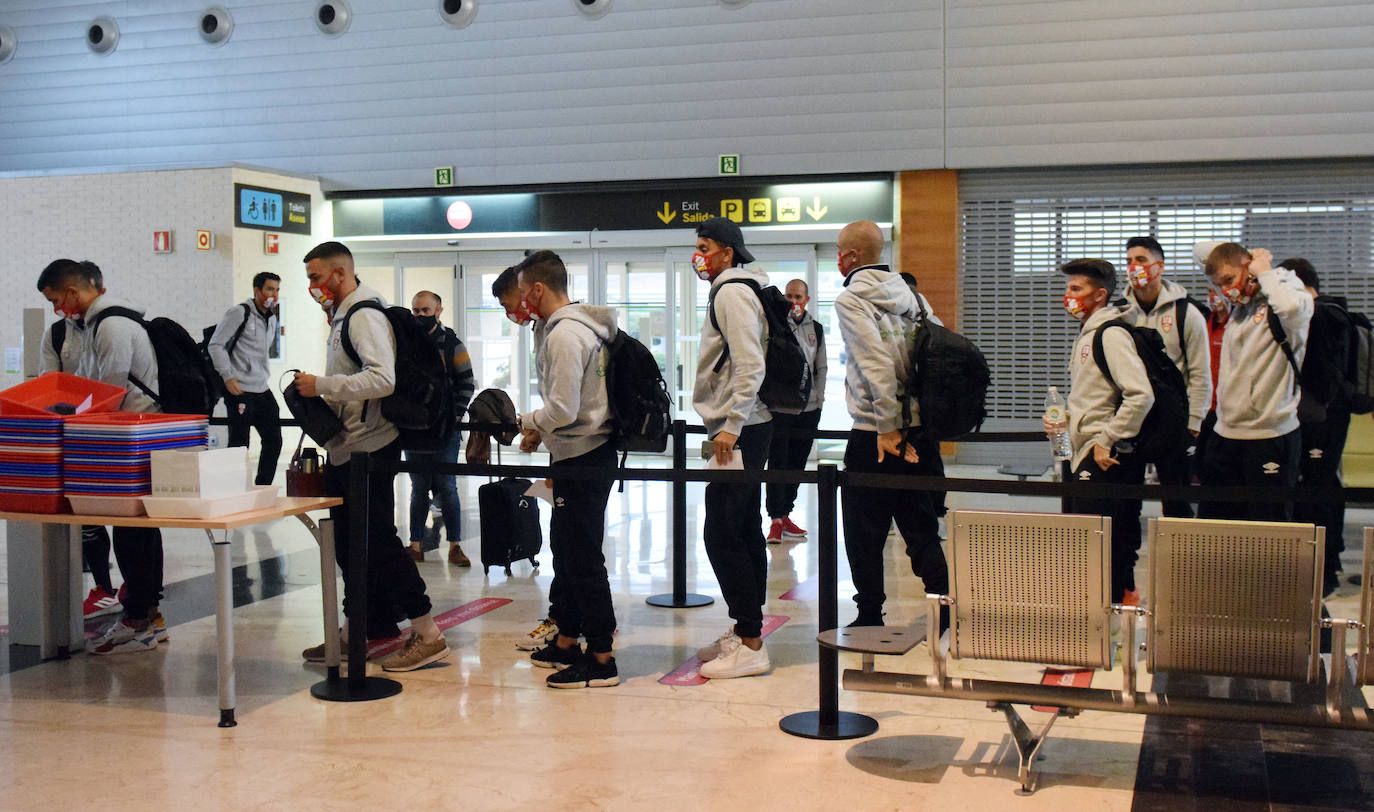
x,y
416,653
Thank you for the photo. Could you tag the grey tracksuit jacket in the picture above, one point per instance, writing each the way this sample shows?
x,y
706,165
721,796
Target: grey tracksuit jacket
x,y
1098,415
729,400
1197,367
570,359
1256,399
353,390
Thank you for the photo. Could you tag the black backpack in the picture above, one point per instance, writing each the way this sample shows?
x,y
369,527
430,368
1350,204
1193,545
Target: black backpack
x,y
1165,429
641,409
184,382
948,380
209,333
786,377
421,405
59,337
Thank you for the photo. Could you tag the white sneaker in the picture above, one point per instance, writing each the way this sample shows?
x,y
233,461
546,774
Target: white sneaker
x,y
736,660
541,635
709,653
121,638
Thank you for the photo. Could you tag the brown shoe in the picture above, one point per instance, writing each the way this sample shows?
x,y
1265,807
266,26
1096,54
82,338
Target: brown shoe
x,y
457,558
416,555
416,653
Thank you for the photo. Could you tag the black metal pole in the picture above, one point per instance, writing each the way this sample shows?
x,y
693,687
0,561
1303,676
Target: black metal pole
x,y
828,722
357,686
680,599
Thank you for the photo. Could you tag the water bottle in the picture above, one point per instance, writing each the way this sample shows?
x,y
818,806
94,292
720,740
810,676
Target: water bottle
x,y
1057,418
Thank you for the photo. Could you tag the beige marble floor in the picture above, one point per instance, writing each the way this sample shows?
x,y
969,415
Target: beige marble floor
x,y
480,731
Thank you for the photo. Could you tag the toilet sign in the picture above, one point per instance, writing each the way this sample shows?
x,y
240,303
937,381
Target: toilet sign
x,y
162,242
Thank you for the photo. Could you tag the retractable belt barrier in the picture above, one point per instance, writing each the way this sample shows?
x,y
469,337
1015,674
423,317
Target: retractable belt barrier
x,y
828,722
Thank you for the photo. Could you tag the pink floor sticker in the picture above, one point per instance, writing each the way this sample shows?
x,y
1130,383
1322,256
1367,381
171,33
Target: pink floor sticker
x,y
808,590
449,619
689,672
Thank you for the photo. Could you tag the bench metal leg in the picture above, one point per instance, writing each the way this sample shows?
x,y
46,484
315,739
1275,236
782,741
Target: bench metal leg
x,y
224,626
1027,745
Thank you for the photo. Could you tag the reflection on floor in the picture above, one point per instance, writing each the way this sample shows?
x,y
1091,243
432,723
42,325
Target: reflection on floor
x,y
480,731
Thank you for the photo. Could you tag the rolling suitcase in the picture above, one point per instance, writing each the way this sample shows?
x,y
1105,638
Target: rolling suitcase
x,y
510,524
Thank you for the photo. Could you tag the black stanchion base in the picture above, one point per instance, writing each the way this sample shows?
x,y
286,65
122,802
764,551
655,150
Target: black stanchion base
x,y
226,718
690,601
848,726
340,691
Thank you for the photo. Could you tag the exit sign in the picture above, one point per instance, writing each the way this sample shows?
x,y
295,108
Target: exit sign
x,y
443,176
729,164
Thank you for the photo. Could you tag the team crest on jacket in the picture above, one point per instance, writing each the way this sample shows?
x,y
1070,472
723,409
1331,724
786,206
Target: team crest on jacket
x,y
1083,354
1166,323
1261,313
811,338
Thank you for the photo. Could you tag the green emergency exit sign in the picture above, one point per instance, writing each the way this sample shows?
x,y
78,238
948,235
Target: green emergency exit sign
x,y
443,176
729,164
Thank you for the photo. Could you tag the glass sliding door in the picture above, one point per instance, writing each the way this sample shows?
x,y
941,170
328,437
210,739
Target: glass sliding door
x,y
436,272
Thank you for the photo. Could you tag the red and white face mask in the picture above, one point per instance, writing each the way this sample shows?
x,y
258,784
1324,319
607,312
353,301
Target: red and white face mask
x,y
701,263
1077,306
1142,275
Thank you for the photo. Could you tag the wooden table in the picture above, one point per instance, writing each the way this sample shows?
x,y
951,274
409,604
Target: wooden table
x,y
41,566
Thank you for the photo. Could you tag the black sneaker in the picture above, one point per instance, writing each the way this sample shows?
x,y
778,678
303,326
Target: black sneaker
x,y
551,656
586,673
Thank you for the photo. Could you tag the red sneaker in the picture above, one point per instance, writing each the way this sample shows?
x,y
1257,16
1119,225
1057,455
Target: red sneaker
x,y
99,602
790,531
775,532
1131,598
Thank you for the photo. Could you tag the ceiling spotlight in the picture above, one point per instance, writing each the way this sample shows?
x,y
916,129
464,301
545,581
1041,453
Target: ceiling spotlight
x,y
333,16
102,35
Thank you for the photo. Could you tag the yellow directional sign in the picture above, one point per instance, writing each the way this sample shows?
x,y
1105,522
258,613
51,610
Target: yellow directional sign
x,y
732,209
667,215
760,209
816,210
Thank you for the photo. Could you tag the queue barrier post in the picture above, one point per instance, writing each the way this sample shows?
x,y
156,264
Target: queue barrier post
x,y
357,686
680,598
829,722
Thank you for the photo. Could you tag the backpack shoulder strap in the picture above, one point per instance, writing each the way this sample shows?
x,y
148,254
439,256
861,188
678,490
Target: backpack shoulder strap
x,y
234,340
711,313
124,312
133,316
1181,322
59,337
348,347
1281,338
1100,352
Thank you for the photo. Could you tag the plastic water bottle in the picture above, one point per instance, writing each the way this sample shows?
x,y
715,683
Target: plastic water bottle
x,y
1057,417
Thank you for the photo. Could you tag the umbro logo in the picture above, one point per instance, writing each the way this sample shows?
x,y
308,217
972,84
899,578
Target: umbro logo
x,y
1315,454
1085,475
1271,467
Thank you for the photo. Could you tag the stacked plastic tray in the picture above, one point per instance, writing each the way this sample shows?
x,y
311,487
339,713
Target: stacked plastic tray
x,y
105,457
31,418
31,464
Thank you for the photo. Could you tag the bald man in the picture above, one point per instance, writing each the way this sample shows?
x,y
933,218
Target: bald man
x,y
877,314
427,306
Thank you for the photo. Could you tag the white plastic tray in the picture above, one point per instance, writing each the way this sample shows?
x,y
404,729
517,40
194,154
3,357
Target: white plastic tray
x,y
106,505
185,507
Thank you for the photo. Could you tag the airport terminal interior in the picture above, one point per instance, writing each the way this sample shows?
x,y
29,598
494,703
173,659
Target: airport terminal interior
x,y
186,147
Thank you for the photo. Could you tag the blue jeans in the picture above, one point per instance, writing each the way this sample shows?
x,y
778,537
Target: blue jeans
x,y
445,490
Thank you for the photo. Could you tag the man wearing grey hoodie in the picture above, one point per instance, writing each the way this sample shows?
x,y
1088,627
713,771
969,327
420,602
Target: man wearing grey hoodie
x,y
575,425
1104,411
354,391
1258,438
730,370
116,351
877,314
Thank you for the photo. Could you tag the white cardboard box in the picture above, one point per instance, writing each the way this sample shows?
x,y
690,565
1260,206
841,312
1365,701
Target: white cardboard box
x,y
199,473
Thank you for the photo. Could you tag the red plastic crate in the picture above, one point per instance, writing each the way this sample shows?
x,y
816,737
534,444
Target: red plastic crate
x,y
33,398
34,503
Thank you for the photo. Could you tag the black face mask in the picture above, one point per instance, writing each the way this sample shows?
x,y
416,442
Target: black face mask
x,y
428,322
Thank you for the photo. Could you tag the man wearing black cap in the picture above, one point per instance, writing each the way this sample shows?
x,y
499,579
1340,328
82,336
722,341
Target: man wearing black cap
x,y
730,369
